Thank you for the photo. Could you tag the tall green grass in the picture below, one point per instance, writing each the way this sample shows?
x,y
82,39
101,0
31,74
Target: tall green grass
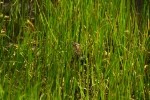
x,y
37,60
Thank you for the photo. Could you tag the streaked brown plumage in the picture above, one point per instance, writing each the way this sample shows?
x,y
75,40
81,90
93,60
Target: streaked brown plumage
x,y
78,54
77,49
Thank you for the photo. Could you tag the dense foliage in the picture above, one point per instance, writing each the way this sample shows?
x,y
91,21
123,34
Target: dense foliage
x,y
74,49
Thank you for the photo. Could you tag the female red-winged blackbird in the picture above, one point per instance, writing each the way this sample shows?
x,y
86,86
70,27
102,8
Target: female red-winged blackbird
x,y
77,49
78,54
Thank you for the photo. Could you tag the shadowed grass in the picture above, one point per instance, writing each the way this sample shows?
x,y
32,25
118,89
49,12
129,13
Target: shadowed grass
x,y
38,61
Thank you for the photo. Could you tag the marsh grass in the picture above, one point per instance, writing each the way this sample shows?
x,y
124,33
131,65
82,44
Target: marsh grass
x,y
37,59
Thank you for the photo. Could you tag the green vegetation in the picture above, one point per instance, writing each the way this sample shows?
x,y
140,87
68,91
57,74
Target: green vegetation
x,y
38,60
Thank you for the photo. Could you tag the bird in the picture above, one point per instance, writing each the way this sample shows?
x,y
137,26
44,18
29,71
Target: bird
x,y
78,54
77,49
